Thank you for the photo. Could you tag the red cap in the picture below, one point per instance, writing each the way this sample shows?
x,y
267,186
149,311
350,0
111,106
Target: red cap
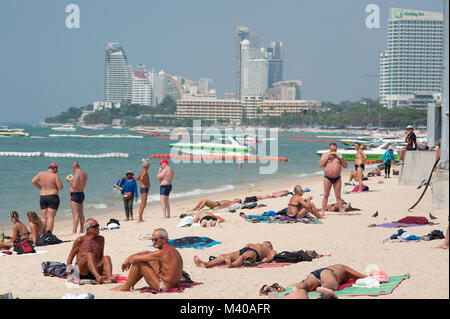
x,y
163,161
53,165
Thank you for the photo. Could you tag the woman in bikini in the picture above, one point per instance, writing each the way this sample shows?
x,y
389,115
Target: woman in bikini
x,y
37,227
19,230
298,207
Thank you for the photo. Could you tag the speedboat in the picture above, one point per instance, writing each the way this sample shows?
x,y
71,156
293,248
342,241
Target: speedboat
x,y
65,128
14,132
373,154
230,148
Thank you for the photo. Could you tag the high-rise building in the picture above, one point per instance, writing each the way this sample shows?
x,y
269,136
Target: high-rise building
x,y
413,60
275,59
285,90
204,85
254,70
142,90
118,74
242,33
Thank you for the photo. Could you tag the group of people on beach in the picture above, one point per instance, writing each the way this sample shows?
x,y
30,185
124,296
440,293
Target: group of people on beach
x,y
163,268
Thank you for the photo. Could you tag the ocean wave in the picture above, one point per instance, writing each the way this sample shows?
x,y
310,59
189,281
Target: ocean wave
x,y
310,174
193,193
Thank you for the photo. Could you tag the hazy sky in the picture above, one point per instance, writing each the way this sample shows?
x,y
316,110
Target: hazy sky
x,y
46,67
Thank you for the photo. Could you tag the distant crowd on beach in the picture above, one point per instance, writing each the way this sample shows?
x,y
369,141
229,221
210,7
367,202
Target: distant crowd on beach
x,y
163,268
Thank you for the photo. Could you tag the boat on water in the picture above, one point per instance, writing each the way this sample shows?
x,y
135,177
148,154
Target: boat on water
x,y
96,136
373,154
93,127
65,128
230,147
13,132
150,130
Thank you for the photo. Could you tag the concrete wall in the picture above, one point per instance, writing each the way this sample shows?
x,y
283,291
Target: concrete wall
x,y
439,186
417,167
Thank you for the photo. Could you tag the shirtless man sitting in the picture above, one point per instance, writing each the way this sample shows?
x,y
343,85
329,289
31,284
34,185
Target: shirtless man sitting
x,y
326,281
298,207
251,253
207,219
214,204
332,163
49,185
89,251
161,269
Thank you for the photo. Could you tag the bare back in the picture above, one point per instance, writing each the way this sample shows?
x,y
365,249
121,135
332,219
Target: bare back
x,y
49,182
170,265
79,181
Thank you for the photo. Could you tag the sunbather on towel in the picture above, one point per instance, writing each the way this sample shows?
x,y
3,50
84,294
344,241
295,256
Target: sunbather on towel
x,y
161,269
256,198
214,204
207,219
326,281
251,252
335,207
299,207
88,250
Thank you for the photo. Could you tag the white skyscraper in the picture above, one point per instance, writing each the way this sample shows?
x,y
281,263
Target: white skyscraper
x,y
413,60
254,71
142,89
118,74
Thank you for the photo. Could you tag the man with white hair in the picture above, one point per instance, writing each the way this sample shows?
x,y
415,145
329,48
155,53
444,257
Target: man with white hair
x,y
162,269
144,179
88,250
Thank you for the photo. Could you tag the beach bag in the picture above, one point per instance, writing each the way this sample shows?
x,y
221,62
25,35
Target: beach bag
x,y
113,221
24,246
249,206
395,172
128,195
381,166
48,238
365,188
291,257
54,268
117,188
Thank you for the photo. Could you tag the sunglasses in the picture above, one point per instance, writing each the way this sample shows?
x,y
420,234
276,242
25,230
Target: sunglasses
x,y
155,239
94,226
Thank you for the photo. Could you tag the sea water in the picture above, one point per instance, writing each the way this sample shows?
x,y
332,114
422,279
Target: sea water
x,y
191,179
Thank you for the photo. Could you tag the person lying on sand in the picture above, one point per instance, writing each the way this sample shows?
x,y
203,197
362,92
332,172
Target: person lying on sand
x,y
299,207
161,269
251,253
256,198
214,204
207,219
324,280
374,172
88,250
335,207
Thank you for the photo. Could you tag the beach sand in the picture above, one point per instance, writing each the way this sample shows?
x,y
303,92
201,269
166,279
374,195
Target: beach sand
x,y
348,240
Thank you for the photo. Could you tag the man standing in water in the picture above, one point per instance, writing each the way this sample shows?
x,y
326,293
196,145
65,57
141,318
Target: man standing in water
x,y
144,179
49,185
332,164
165,177
360,158
77,184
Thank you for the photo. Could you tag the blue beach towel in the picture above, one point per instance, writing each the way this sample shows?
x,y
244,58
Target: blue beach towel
x,y
192,242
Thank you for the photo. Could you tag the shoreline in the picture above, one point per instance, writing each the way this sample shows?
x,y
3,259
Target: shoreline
x,y
347,240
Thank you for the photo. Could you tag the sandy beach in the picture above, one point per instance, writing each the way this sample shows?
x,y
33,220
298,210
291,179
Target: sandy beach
x,y
348,240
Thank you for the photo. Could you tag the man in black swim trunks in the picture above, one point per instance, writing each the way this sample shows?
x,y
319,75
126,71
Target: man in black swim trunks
x,y
360,159
207,219
332,163
252,253
326,281
165,177
144,179
77,184
49,185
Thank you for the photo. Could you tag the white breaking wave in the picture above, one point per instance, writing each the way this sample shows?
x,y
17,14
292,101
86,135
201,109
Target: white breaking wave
x,y
310,174
195,192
